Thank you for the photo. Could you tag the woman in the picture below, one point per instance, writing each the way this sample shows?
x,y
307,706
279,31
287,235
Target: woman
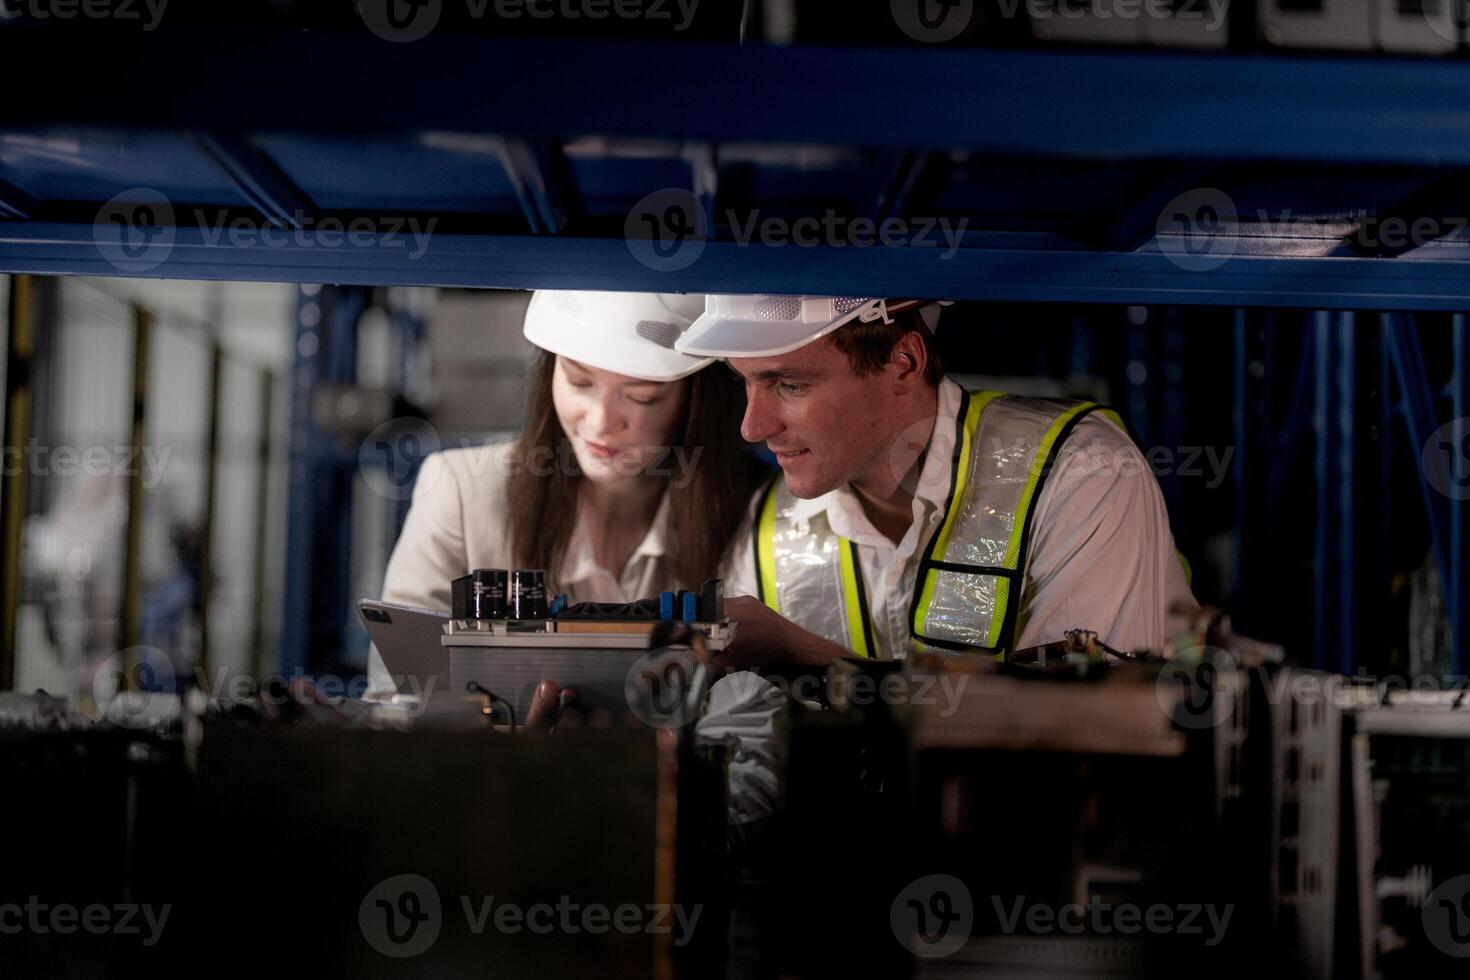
x,y
629,479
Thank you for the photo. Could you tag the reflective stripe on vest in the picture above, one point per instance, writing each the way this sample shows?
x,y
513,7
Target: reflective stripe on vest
x,y
810,576
1004,447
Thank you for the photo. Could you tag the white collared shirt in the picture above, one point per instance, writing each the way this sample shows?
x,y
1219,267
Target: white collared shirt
x,y
1101,558
456,524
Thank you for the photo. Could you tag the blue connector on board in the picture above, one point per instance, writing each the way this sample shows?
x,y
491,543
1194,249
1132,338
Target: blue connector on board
x,y
666,605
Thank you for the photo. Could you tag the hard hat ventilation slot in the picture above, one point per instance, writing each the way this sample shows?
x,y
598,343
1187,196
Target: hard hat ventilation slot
x,y
778,307
658,332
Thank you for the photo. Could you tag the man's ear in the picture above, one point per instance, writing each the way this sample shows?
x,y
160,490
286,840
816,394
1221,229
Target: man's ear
x,y
910,358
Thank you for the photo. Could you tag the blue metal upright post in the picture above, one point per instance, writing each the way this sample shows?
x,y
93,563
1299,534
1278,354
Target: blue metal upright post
x,y
1443,508
1457,588
1170,429
319,518
1240,466
407,331
1346,566
1335,564
1322,474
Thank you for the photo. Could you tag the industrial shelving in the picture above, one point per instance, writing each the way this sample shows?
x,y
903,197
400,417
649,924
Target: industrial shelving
x,y
1244,181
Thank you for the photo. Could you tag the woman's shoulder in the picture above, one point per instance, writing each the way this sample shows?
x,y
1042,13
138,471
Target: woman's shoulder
x,y
470,472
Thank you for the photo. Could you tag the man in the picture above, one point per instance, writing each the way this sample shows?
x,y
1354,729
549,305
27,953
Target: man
x,y
910,513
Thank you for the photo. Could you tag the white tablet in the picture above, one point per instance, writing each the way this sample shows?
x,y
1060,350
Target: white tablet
x,y
409,640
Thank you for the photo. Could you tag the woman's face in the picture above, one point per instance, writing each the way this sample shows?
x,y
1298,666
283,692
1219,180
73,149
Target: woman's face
x,y
619,426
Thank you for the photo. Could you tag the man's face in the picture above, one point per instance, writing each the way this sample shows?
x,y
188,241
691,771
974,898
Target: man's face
x,y
826,425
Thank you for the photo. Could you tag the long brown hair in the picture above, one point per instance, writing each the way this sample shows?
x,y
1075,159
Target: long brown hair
x,y
704,513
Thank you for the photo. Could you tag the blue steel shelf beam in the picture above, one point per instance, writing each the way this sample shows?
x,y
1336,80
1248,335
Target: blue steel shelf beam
x,y
537,173
1150,276
704,177
1115,104
14,202
1422,218
908,167
257,177
1137,222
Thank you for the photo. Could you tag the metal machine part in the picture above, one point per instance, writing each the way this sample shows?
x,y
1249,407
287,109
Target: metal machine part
x,y
1306,762
1410,776
617,669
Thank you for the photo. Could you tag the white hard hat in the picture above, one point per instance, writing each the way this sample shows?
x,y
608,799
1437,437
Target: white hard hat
x,y
765,325
626,333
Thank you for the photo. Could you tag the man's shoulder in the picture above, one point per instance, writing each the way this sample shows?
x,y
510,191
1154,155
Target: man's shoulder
x,y
1098,452
1098,431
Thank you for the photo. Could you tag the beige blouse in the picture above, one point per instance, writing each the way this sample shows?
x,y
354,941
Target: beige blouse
x,y
456,523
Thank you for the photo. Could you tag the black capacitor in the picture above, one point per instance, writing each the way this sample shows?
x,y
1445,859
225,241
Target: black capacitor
x,y
460,592
488,598
712,601
528,594
481,594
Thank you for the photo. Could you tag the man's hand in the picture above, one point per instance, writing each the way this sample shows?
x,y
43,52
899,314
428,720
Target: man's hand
x,y
765,637
551,704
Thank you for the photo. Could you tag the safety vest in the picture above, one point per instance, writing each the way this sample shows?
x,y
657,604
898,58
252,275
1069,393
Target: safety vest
x,y
968,590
